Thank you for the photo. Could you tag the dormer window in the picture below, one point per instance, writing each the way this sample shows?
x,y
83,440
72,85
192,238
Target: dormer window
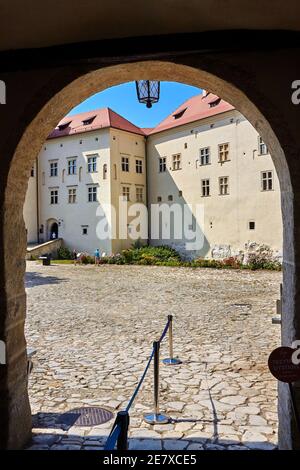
x,y
214,103
64,126
179,114
88,121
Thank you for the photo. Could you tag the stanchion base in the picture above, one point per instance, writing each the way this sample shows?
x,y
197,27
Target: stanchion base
x,y
171,361
153,418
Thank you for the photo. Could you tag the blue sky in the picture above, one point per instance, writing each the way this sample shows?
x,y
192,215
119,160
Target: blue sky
x,y
123,100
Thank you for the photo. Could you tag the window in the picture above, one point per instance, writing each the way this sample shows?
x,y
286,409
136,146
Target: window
x,y
139,194
92,164
139,166
251,225
205,188
84,230
185,145
72,195
170,197
223,185
179,114
64,126
204,156
180,193
176,162
54,196
158,198
214,103
262,148
162,164
53,168
72,166
125,164
92,194
32,172
223,153
105,171
88,121
126,193
266,180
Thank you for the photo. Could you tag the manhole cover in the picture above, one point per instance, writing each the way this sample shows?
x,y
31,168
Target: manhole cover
x,y
87,416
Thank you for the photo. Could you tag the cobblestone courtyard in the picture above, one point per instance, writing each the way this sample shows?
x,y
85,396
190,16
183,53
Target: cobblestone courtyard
x,y
93,327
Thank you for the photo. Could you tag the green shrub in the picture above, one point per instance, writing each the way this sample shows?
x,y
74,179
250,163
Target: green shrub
x,y
64,253
157,253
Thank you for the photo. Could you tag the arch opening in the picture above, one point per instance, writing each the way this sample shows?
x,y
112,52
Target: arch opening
x,y
81,88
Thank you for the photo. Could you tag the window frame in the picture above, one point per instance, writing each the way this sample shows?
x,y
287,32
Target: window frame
x,y
205,188
223,185
125,164
139,193
206,155
92,191
162,164
176,162
221,152
53,169
126,194
139,166
92,166
53,197
72,197
261,144
72,166
266,180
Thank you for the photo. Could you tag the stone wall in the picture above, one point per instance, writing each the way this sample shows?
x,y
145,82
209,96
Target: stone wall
x,y
244,255
48,247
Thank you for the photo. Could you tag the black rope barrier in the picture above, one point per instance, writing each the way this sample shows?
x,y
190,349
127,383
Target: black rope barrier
x,y
118,433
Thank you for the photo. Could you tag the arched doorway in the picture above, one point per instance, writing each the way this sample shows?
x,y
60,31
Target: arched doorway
x,y
44,119
53,230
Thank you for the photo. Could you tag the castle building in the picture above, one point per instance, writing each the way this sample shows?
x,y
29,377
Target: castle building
x,y
204,166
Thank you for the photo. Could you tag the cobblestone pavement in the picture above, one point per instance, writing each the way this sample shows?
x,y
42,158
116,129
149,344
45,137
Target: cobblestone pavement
x,y
93,327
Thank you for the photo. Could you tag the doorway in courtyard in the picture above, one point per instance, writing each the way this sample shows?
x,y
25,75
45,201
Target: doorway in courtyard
x,y
204,152
203,409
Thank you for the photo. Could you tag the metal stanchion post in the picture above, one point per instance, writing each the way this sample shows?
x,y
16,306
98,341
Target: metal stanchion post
x,y
156,417
123,420
171,361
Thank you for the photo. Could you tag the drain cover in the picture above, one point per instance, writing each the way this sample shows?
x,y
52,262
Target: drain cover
x,y
87,416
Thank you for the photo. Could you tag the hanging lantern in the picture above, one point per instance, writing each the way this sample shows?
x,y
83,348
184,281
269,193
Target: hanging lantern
x,y
147,92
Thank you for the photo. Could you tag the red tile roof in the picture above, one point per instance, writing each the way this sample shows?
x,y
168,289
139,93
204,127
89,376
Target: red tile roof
x,y
103,118
196,108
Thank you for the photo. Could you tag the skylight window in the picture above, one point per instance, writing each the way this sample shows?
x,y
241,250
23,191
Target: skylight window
x,y
64,126
214,103
179,114
88,121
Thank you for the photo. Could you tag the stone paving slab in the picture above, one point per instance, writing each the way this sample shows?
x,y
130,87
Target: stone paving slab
x,y
93,327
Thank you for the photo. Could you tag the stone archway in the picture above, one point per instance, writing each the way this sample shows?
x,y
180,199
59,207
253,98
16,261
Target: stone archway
x,y
18,419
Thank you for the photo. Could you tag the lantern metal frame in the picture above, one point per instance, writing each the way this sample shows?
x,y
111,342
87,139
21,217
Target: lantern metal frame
x,y
148,91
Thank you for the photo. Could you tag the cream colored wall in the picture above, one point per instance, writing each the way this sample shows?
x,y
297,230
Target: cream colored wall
x,y
225,217
132,146
72,217
30,209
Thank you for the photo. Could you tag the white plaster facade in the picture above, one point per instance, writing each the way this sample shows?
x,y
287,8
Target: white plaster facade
x,y
247,214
